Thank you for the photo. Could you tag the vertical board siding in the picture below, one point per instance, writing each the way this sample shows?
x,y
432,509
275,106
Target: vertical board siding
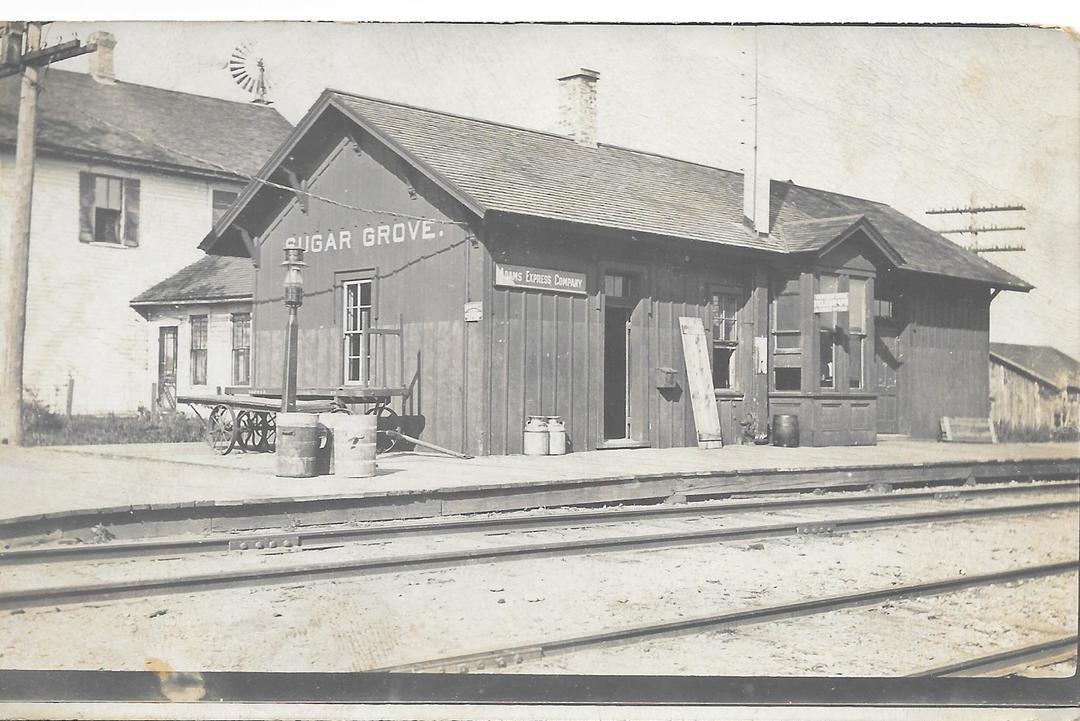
x,y
418,282
546,348
949,354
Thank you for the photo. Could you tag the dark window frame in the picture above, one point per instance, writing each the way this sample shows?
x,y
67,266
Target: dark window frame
x,y
241,349
199,341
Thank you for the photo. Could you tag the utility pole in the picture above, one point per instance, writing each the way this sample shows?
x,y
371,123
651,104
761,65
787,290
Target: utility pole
x,y
22,53
973,229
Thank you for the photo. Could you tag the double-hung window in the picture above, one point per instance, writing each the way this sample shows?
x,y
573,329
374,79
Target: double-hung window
x,y
241,349
787,335
199,330
842,324
108,210
221,201
724,305
356,316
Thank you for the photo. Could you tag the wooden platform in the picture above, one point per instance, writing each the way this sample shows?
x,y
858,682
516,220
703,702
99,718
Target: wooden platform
x,y
136,491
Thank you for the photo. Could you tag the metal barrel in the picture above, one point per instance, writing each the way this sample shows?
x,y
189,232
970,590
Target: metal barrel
x,y
328,423
354,445
785,430
297,445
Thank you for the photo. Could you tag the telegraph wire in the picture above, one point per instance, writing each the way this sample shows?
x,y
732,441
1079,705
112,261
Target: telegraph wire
x,y
270,183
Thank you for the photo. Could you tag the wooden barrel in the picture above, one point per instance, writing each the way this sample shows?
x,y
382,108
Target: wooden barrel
x,y
297,445
354,446
785,430
328,423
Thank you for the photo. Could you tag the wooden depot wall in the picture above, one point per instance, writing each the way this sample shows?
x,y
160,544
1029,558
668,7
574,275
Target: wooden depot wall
x,y
545,349
528,351
422,273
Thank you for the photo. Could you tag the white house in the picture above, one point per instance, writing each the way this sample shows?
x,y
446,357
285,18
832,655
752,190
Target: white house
x,y
128,178
199,338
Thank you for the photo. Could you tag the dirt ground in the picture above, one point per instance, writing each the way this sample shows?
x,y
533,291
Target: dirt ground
x,y
364,623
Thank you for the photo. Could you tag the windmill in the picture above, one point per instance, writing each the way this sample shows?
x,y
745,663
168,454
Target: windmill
x,y
249,73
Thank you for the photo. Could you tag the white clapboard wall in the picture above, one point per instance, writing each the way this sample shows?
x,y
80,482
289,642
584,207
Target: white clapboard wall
x,y
699,381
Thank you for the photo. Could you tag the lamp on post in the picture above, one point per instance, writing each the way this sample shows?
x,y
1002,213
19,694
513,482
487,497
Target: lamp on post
x,y
294,298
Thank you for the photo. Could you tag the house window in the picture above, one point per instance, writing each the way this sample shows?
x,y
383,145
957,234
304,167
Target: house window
x,y
357,316
199,327
724,307
241,349
108,210
857,324
221,201
787,336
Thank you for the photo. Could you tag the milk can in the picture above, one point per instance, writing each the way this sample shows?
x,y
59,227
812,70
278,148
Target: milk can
x,y
536,436
556,435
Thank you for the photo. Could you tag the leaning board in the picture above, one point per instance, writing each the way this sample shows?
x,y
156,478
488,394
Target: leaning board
x,y
699,381
967,430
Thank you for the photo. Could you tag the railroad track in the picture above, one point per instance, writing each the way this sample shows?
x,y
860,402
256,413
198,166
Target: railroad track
x,y
248,577
497,658
1017,659
330,536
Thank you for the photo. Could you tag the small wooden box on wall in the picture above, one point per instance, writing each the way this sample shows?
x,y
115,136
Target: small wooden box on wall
x,y
666,378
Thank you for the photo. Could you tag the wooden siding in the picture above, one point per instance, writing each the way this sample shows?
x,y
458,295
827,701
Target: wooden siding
x,y
946,368
420,280
1022,403
546,349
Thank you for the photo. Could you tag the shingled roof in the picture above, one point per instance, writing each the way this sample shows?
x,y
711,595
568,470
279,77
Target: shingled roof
x,y
141,124
497,167
213,278
1042,362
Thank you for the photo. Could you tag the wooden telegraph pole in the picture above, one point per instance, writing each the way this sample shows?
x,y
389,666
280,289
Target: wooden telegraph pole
x,y
22,52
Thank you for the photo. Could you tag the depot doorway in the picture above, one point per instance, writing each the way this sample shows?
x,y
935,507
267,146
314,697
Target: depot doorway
x,y
624,361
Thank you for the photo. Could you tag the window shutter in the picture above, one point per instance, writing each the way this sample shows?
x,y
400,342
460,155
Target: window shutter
x,y
86,207
131,212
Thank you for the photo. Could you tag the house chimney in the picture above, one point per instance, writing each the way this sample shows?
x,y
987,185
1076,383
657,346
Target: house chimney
x,y
577,106
101,61
756,200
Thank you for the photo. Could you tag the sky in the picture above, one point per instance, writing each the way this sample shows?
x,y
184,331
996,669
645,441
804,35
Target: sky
x,y
919,118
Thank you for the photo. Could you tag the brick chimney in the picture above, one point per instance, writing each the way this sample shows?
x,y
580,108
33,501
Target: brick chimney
x,y
577,106
101,61
756,199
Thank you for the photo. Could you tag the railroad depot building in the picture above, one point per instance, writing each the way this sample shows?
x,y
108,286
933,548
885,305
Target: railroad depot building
x,y
534,273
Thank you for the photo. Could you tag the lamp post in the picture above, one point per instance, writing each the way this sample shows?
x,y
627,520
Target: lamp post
x,y
294,298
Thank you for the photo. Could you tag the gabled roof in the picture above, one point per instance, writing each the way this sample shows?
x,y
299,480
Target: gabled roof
x,y
823,235
213,278
495,167
1041,362
149,126
922,249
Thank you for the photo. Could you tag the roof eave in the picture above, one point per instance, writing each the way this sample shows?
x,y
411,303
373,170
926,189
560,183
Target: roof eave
x,y
1025,370
191,301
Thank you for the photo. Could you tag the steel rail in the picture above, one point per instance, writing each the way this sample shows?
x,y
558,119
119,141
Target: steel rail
x,y
502,657
1063,647
396,564
330,536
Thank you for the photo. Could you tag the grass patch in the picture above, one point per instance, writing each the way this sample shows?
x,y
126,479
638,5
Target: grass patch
x,y
43,427
1042,434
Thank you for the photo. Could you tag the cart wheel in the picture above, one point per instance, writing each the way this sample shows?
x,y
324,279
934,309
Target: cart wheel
x,y
221,429
245,431
263,431
388,420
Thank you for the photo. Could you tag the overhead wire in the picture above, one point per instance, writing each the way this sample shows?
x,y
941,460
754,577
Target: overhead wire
x,y
267,182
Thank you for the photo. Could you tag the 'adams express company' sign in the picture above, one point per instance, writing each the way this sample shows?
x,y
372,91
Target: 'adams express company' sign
x,y
368,237
520,276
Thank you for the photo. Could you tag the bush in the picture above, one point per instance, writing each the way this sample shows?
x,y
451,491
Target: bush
x,y
43,427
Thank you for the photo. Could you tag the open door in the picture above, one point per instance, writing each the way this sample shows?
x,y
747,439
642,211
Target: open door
x,y
166,395
625,349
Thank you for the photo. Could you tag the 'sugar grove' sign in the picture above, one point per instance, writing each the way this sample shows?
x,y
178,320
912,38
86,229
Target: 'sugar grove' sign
x,y
520,276
369,236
